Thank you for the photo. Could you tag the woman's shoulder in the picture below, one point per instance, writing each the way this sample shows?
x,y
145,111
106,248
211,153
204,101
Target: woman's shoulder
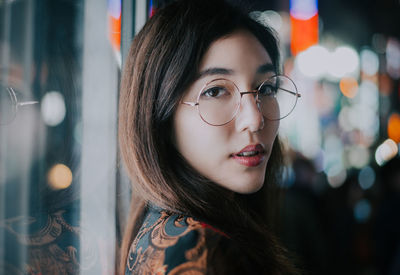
x,y
169,243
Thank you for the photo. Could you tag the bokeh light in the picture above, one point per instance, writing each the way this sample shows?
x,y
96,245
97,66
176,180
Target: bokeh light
x,y
303,9
362,210
366,177
313,62
358,156
348,86
393,128
59,177
386,151
369,94
336,176
393,58
53,108
319,62
344,119
369,62
268,18
333,161
362,118
344,61
274,19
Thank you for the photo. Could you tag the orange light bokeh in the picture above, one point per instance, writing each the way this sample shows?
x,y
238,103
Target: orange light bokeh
x,y
115,32
348,86
59,177
393,128
385,84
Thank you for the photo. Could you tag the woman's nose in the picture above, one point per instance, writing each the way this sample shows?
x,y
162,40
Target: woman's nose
x,y
249,117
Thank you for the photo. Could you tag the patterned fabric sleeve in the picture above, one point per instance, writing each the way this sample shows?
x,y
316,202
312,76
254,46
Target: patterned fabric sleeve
x,y
169,244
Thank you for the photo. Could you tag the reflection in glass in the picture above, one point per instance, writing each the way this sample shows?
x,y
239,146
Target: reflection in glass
x,y
9,104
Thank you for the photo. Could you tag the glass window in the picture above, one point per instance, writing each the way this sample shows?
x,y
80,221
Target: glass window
x,y
63,195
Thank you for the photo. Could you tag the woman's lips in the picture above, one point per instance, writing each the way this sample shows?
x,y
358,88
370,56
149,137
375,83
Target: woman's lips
x,y
250,156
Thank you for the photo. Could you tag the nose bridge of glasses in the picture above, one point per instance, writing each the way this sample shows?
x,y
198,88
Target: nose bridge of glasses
x,y
253,93
253,106
250,115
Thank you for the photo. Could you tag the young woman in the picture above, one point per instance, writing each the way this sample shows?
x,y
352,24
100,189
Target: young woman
x,y
201,99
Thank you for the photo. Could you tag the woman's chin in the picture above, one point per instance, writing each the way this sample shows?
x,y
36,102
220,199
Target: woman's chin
x,y
246,187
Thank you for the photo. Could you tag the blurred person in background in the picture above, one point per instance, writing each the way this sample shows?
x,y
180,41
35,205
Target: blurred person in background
x,y
198,126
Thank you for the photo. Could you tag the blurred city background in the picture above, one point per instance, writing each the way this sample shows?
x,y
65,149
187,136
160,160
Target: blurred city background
x,y
64,195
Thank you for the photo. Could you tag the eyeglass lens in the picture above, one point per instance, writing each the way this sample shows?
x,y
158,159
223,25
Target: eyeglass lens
x,y
278,97
219,101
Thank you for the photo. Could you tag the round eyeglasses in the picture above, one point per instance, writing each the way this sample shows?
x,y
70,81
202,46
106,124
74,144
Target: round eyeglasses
x,y
9,104
219,100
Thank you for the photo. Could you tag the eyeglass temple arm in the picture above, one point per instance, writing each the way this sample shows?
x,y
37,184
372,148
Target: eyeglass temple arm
x,y
255,91
11,91
27,103
290,92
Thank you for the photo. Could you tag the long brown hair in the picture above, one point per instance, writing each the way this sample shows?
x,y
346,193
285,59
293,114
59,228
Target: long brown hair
x,y
162,62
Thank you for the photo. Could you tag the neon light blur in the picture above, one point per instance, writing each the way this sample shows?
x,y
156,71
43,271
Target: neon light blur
x,y
393,128
152,9
303,9
114,21
304,24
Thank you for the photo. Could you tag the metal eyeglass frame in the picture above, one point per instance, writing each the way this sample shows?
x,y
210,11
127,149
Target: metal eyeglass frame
x,y
15,104
255,92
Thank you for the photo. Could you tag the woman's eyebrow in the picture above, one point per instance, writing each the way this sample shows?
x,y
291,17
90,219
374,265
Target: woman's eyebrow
x,y
266,68
214,71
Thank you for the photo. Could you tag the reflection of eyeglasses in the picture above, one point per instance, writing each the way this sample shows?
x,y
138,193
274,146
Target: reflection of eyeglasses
x,y
219,100
9,104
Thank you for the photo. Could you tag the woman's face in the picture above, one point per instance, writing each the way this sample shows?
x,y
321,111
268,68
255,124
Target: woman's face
x,y
236,154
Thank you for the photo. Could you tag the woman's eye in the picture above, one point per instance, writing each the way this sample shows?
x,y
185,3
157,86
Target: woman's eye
x,y
267,89
214,92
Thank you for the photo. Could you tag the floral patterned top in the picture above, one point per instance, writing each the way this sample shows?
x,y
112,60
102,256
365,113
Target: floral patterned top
x,y
170,244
